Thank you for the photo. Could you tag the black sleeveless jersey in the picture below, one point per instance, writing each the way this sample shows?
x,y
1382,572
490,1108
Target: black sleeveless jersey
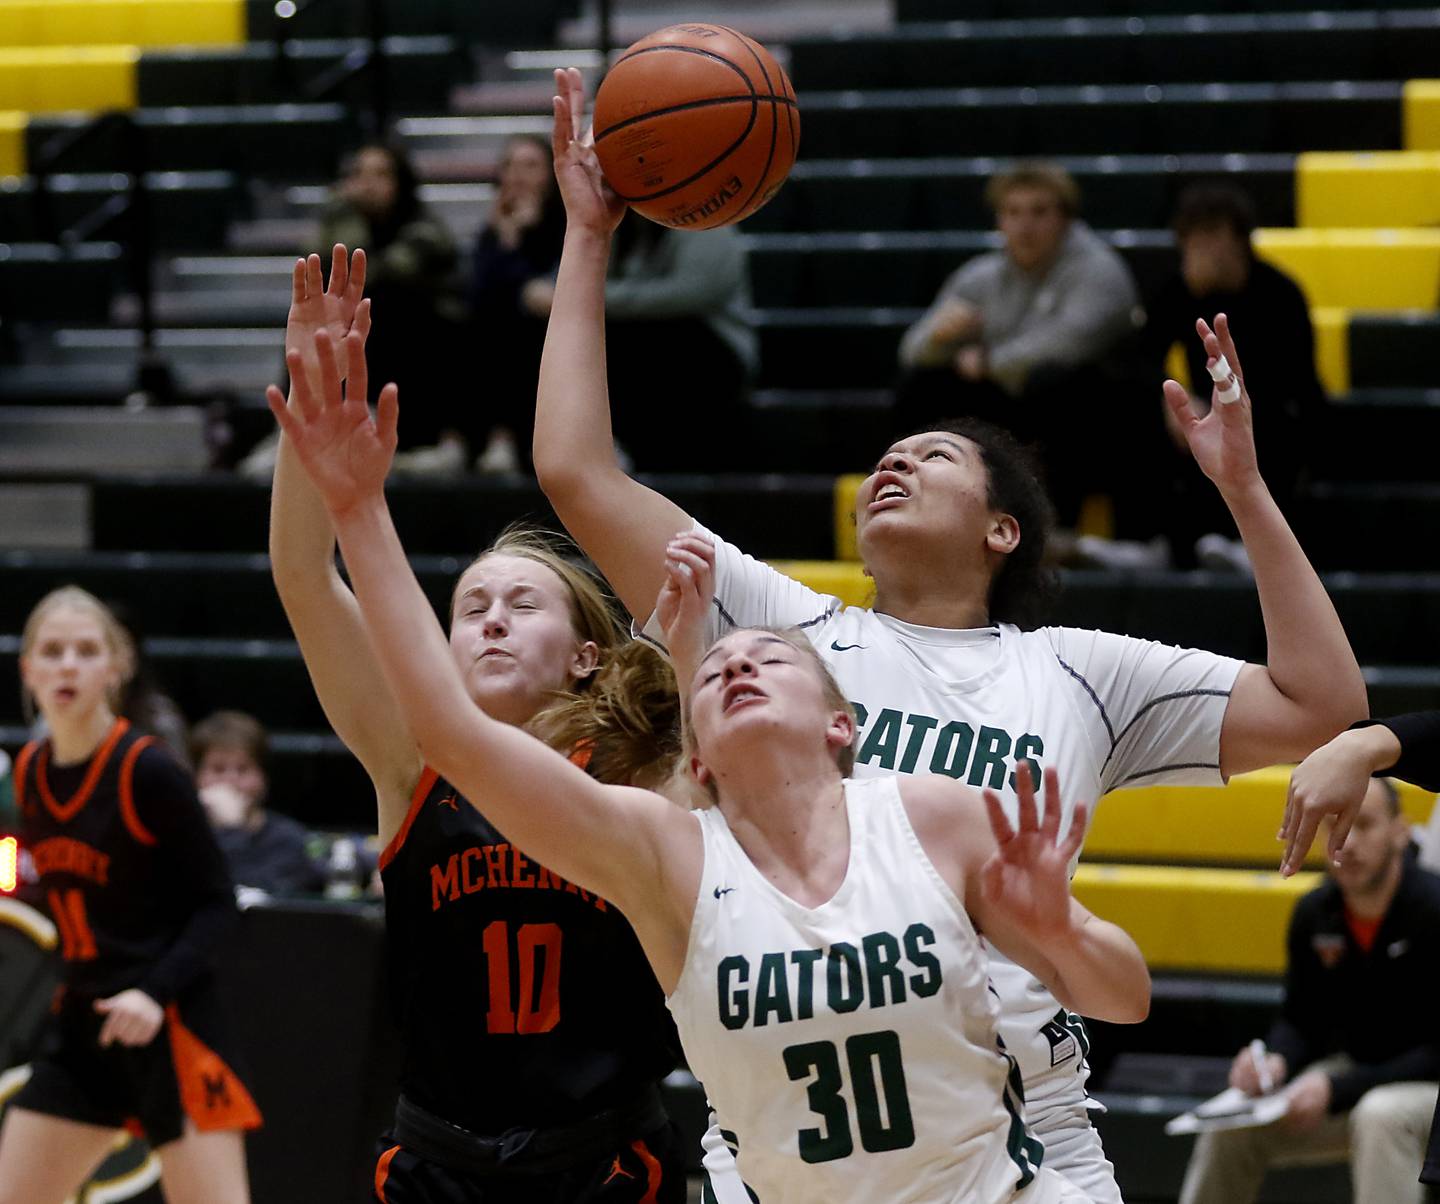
x,y
126,865
524,1001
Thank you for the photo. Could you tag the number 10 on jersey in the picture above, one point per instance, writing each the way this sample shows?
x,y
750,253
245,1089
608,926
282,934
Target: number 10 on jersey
x,y
535,1007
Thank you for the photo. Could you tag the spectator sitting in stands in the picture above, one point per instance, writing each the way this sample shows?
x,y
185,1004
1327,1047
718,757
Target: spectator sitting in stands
x,y
264,850
519,243
410,256
676,334
1219,273
1024,336
1355,1044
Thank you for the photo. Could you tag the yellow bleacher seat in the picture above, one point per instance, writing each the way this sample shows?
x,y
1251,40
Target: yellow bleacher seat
x,y
1212,921
1382,188
1332,346
1358,269
846,487
844,578
124,22
57,79
12,143
1422,114
1188,824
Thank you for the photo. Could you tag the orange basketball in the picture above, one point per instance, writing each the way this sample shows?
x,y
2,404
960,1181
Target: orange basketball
x,y
696,126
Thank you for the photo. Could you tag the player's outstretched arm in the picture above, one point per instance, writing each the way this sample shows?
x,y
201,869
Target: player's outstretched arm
x,y
1015,883
321,609
629,845
621,524
1310,686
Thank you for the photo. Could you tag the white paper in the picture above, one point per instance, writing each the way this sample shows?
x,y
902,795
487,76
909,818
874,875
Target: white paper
x,y
1231,1109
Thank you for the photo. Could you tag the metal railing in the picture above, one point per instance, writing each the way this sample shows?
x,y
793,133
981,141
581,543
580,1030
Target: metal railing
x,y
124,216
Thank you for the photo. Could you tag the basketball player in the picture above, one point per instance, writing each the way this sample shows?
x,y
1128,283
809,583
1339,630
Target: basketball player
x,y
534,1032
738,905
138,889
948,672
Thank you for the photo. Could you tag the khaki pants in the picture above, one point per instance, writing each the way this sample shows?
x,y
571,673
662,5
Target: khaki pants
x,y
1383,1138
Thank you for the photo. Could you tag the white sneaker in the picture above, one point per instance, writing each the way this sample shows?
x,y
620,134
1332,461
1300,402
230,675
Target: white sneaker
x,y
1123,554
445,459
1222,555
500,456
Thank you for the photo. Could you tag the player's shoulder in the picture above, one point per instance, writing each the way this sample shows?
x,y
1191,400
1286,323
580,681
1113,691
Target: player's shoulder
x,y
156,772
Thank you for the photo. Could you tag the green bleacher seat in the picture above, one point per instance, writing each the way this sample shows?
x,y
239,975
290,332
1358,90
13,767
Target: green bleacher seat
x,y
187,209
1395,350
830,348
47,282
901,269
454,518
978,10
1104,119
1227,48
419,73
286,141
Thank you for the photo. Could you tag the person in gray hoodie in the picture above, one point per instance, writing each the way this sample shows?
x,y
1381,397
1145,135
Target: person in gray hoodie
x,y
1020,335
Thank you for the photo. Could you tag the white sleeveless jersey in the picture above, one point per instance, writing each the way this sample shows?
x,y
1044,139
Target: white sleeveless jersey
x,y
850,1048
1107,711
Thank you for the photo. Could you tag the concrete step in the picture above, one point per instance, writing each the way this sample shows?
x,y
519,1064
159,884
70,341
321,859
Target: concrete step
x,y
48,439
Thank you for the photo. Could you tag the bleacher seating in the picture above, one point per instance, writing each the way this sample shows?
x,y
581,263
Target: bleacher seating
x,y
1323,115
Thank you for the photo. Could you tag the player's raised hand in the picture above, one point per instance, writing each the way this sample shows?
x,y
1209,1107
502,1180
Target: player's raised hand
x,y
1330,784
590,202
1028,875
345,452
1223,441
337,308
684,601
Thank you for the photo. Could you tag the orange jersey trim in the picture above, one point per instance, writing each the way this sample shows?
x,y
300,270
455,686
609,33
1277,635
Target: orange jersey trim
x,y
382,1172
428,778
211,1093
127,791
66,811
653,1171
22,764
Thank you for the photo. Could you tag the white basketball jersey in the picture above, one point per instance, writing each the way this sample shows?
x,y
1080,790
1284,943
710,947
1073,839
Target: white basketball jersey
x,y
851,1047
1107,711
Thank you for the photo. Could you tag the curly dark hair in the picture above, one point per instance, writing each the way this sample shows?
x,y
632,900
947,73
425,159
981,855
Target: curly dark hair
x,y
1024,588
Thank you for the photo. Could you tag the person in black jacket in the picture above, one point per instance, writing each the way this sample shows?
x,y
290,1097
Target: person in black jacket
x,y
1219,273
1355,1047
1335,774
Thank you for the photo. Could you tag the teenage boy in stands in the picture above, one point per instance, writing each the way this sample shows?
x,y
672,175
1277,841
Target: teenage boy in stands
x,y
1355,1047
1025,336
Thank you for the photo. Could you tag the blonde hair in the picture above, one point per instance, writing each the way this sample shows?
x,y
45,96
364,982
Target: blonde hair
x,y
834,698
117,639
1035,173
593,615
628,722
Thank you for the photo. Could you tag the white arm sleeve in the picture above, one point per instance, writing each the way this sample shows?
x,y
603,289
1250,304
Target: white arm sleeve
x,y
1162,707
749,593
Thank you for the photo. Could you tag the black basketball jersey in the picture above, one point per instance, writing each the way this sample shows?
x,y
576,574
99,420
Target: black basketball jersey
x,y
126,865
524,1001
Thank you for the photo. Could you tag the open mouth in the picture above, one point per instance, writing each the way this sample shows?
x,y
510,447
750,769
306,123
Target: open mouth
x,y
889,491
66,694
739,694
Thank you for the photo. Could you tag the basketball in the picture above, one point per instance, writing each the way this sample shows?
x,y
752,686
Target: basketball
x,y
696,126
